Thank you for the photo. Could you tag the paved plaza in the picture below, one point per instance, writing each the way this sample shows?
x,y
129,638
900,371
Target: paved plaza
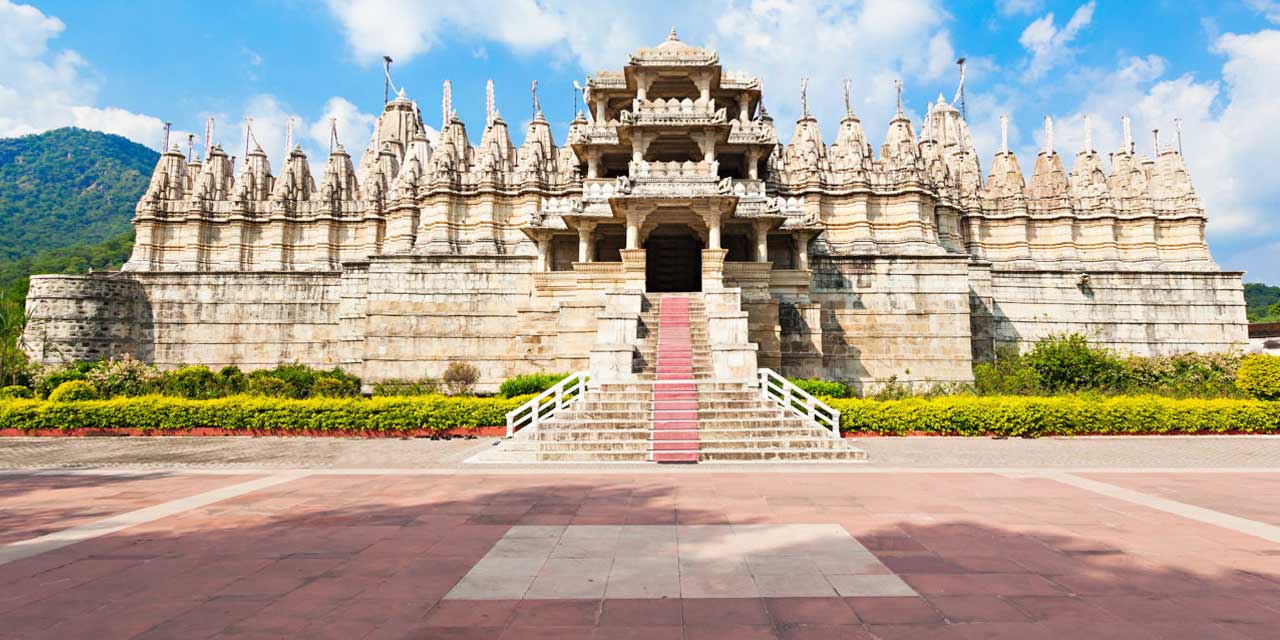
x,y
243,547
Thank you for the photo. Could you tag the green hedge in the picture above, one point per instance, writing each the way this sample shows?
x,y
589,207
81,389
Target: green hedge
x,y
155,413
1029,417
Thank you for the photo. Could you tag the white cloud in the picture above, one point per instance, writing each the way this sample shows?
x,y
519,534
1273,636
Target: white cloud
x,y
1016,7
1268,8
41,89
405,28
1048,45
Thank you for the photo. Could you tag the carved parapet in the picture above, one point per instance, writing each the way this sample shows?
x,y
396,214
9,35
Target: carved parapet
x,y
674,111
753,132
674,171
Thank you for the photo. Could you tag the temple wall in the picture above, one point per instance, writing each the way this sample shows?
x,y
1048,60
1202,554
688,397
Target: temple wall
x,y
251,320
903,318
424,312
1139,312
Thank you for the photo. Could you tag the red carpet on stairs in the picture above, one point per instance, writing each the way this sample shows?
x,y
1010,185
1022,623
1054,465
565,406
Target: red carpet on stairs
x,y
675,396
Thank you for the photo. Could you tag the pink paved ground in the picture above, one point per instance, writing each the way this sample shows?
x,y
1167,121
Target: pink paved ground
x,y
372,557
32,506
1258,498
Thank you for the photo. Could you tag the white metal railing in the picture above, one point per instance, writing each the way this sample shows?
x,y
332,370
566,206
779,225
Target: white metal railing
x,y
546,404
798,401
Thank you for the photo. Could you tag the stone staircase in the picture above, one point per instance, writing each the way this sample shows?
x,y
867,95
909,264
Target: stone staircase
x,y
675,411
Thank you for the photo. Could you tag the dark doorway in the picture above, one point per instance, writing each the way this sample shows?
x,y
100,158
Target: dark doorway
x,y
673,263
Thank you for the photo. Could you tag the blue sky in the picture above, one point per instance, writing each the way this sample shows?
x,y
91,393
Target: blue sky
x,y
1209,63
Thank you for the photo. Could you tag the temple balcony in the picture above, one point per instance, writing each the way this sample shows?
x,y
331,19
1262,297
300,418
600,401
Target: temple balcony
x,y
752,132
674,112
605,133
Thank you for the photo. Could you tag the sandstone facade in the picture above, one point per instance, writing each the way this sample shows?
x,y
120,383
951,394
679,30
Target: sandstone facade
x,y
814,259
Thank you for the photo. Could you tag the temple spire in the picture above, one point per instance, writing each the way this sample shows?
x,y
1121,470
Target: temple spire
x,y
672,35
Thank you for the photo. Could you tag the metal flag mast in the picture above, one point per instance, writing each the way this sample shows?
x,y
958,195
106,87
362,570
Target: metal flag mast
x,y
960,90
164,146
208,136
386,83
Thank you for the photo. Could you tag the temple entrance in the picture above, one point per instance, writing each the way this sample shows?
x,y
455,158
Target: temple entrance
x,y
673,262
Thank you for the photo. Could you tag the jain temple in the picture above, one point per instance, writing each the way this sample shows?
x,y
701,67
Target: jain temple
x,y
900,262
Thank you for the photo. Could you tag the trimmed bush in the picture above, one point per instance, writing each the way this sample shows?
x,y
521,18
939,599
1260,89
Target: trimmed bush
x,y
14,391
1259,376
1068,363
233,381
124,376
256,413
822,388
460,378
196,382
73,391
1029,417
327,387
270,386
529,383
49,378
423,387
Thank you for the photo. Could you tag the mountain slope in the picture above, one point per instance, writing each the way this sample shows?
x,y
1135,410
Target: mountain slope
x,y
68,187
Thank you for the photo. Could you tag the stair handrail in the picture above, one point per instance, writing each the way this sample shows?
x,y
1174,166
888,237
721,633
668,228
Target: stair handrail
x,y
546,404
792,398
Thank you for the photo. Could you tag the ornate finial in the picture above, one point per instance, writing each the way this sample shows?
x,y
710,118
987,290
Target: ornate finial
x,y
1048,135
1004,134
1088,134
848,106
804,96
533,90
1128,135
446,104
1177,132
898,83
672,35
488,103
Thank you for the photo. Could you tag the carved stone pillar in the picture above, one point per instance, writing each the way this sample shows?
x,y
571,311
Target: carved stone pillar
x,y
761,228
744,108
585,247
707,144
753,163
802,250
593,163
634,276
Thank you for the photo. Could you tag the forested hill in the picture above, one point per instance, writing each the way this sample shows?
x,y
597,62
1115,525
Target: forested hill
x,y
68,187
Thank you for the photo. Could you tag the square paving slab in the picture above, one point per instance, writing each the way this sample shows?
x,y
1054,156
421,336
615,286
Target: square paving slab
x,y
678,561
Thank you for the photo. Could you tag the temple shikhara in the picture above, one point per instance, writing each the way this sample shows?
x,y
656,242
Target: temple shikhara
x,y
672,198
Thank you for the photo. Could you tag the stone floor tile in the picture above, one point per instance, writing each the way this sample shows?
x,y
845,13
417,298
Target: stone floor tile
x,y
893,610
735,631
471,613
723,611
824,632
490,588
643,632
556,613
794,585
637,613
567,586
547,633
507,566
977,608
932,631
731,585
864,585
655,584
536,531
822,610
